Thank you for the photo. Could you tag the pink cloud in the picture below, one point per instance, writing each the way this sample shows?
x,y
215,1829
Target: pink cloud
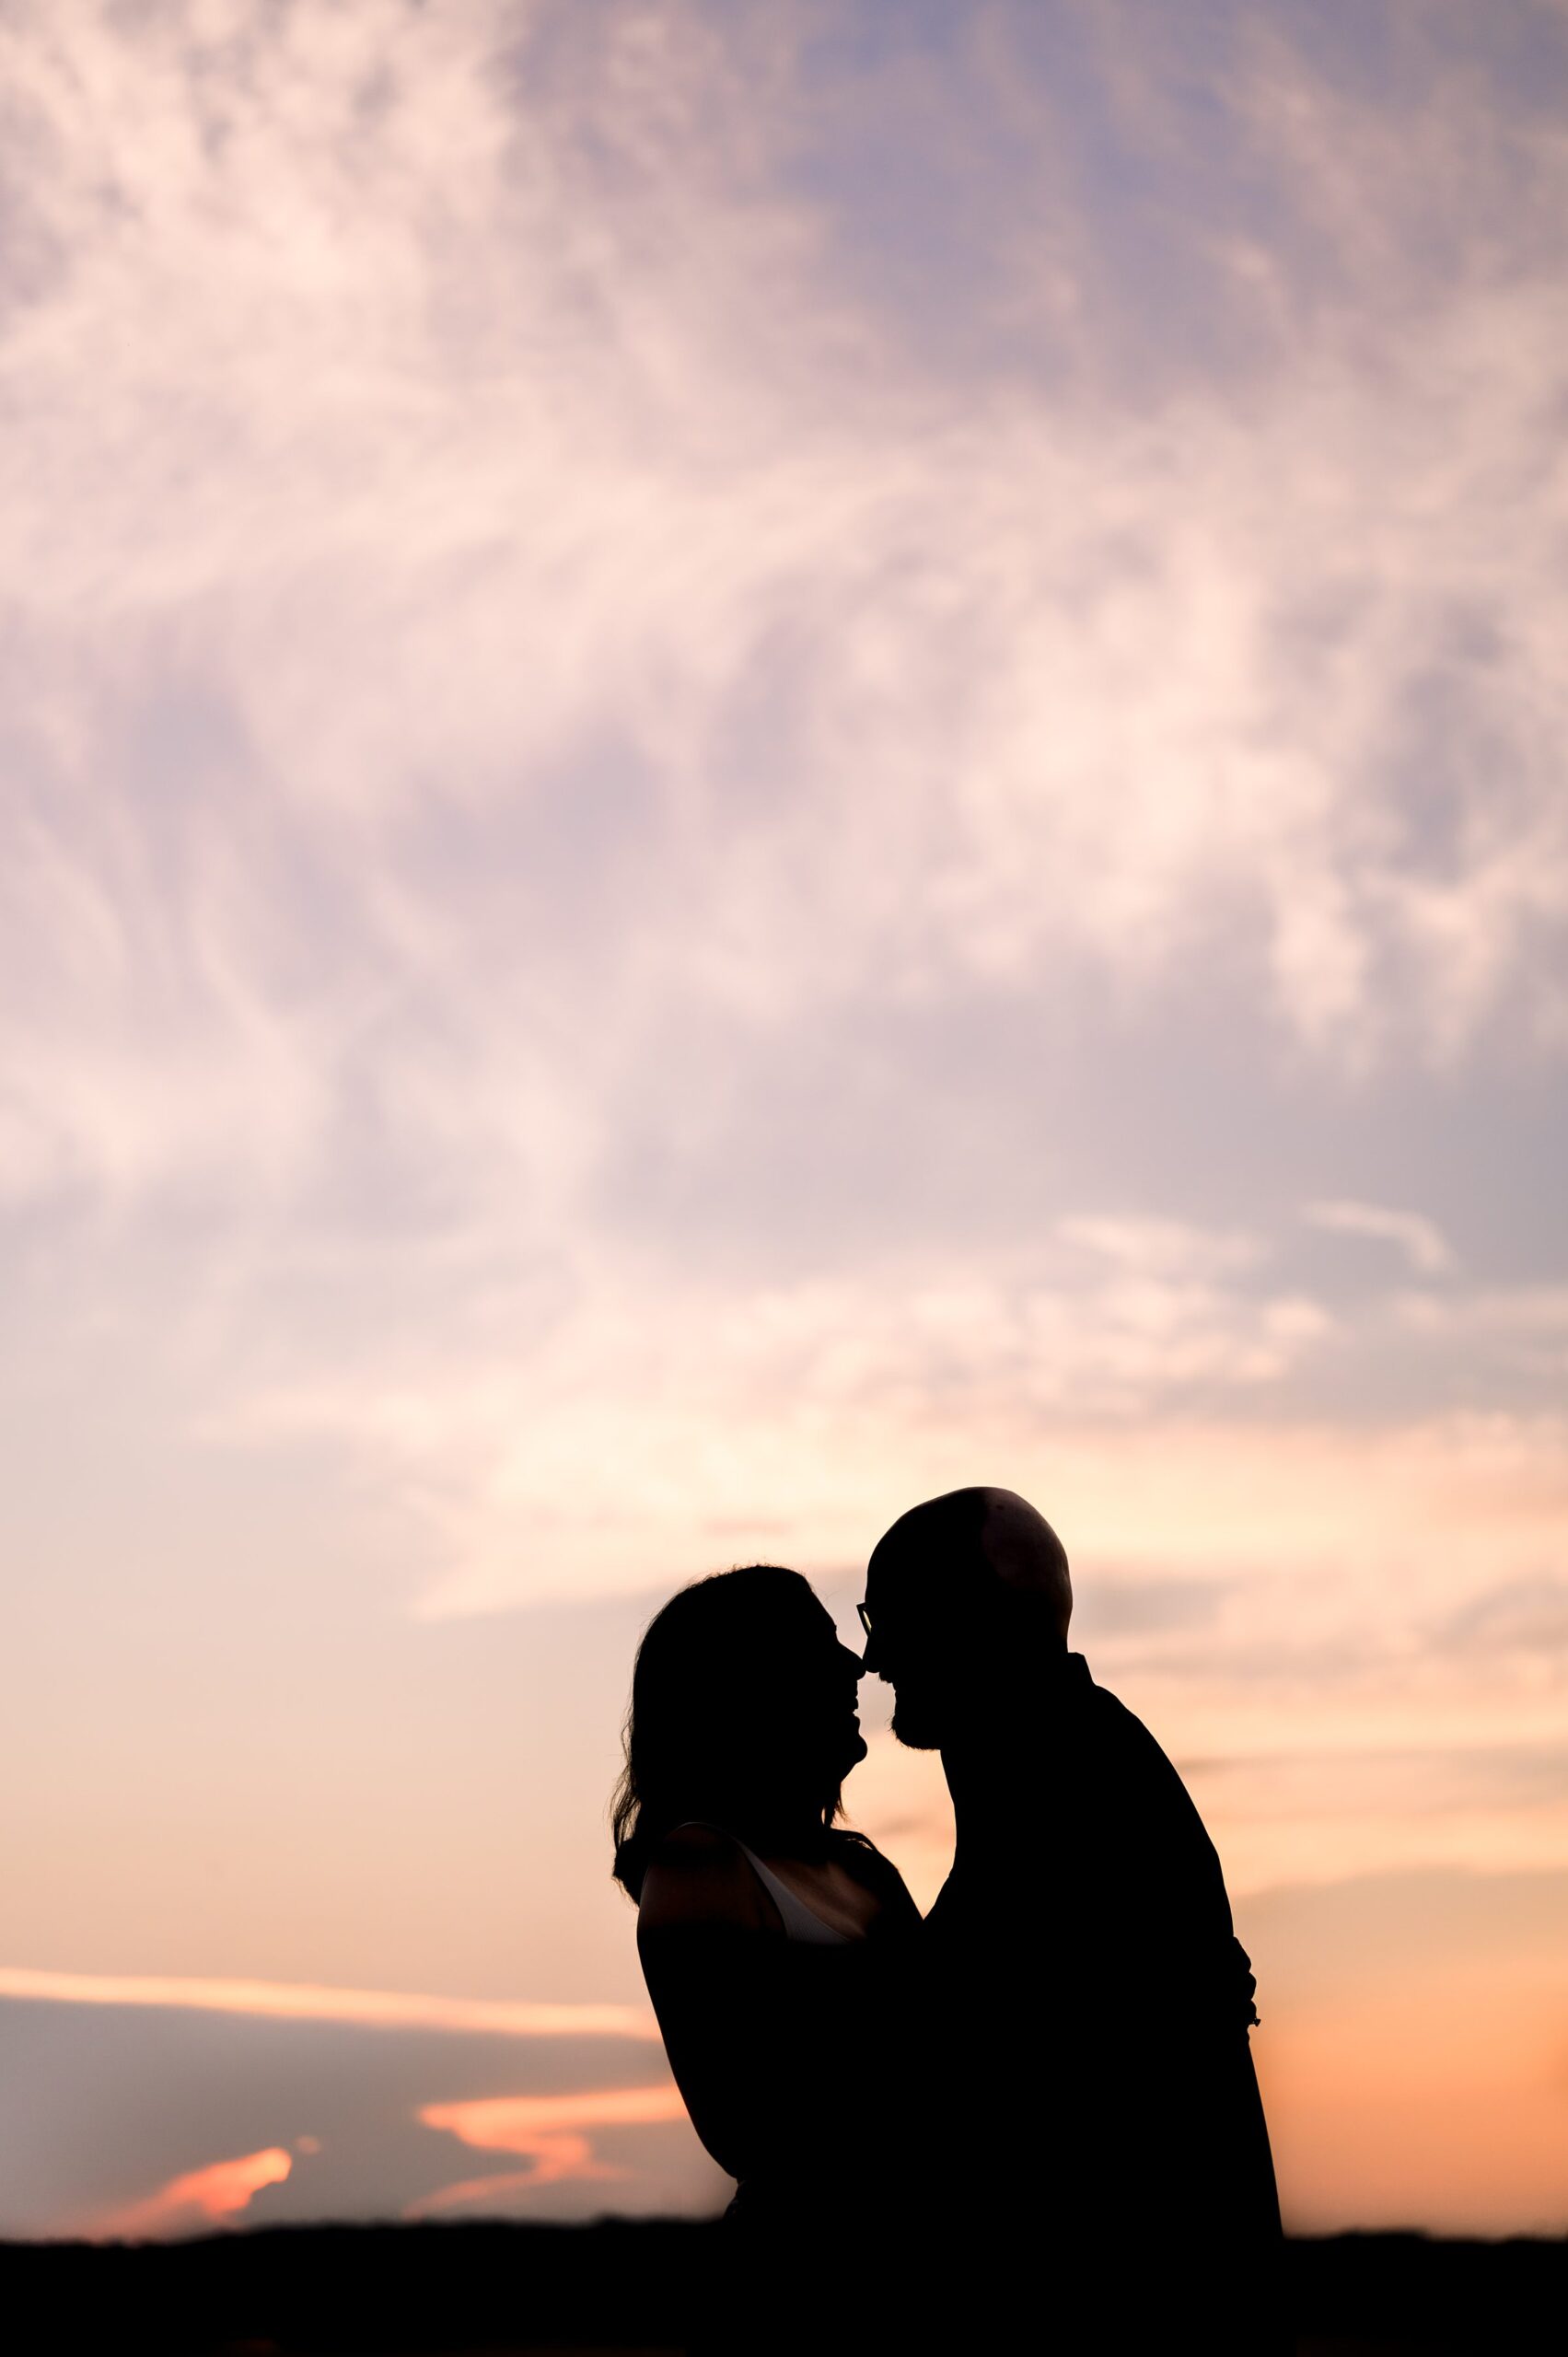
x,y
547,2131
555,2158
206,2196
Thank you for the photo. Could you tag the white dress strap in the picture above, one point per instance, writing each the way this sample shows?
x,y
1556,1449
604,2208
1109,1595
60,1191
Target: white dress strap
x,y
800,1921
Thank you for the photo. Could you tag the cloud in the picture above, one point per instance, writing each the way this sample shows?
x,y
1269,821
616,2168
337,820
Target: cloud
x,y
209,2196
1139,1608
513,748
511,2123
1384,1798
375,2008
471,624
558,2159
114,2113
1526,1617
1160,1247
810,1415
547,2131
1523,1327
1419,1240
705,1404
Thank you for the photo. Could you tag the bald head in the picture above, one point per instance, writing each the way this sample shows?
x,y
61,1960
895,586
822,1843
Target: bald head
x,y
978,1537
960,1592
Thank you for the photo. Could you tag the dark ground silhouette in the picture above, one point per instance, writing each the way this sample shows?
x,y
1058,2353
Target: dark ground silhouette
x,y
623,2286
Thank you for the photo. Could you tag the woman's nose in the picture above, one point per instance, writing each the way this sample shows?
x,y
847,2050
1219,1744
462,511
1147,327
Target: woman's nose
x,y
852,1660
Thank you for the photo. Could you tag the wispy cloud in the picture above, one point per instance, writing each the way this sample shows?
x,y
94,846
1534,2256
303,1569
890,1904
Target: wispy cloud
x,y
375,2008
551,2132
411,562
1527,1615
498,663
711,1405
1419,1240
1161,1248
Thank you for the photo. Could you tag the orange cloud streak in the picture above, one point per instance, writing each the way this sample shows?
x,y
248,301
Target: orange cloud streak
x,y
508,2123
211,2194
546,2131
375,2008
554,2158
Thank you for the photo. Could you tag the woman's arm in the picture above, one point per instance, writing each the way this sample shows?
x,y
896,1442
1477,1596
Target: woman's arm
x,y
713,1950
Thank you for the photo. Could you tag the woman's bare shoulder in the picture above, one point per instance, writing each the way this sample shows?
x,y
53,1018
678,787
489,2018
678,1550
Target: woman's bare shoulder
x,y
699,1878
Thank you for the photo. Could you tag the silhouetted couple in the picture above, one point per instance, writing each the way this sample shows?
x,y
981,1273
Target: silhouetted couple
x,y
1030,2121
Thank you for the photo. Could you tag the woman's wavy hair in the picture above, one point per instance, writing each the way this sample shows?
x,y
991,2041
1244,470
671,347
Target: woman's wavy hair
x,y
694,1741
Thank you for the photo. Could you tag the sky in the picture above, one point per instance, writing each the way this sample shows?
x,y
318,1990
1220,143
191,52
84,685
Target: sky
x,y
754,759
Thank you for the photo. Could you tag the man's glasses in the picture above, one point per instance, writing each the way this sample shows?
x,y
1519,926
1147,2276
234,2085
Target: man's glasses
x,y
864,1619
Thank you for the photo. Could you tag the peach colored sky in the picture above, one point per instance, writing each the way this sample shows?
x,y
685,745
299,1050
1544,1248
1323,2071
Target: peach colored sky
x,y
757,758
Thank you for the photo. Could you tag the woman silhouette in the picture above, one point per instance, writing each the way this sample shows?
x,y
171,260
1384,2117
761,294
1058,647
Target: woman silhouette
x,y
763,1929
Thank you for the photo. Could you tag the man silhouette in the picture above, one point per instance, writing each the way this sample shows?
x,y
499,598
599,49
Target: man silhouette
x,y
1084,2004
